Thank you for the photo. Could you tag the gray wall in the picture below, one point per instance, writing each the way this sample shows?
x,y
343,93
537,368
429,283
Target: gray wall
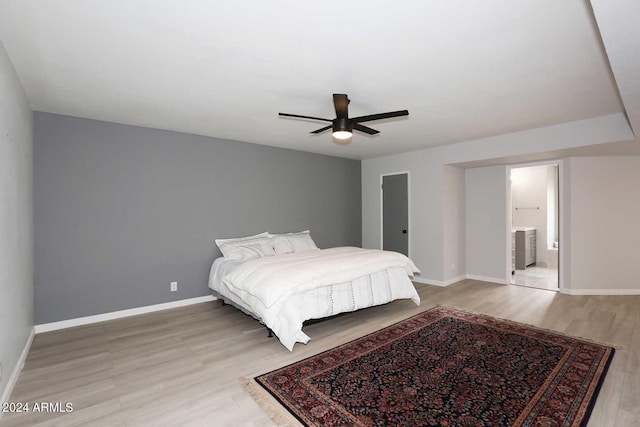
x,y
486,223
16,221
454,227
605,207
121,211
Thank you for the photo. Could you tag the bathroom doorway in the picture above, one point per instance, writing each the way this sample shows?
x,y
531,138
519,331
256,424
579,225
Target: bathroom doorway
x,y
535,225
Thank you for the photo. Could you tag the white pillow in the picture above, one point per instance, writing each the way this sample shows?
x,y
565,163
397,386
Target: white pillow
x,y
293,242
244,248
245,251
281,245
240,239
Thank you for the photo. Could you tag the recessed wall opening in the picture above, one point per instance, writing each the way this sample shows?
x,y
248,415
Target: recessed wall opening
x,y
535,226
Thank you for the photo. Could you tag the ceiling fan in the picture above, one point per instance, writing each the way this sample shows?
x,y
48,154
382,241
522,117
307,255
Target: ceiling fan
x,y
343,126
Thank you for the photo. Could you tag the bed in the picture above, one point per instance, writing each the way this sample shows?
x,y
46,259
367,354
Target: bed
x,y
283,280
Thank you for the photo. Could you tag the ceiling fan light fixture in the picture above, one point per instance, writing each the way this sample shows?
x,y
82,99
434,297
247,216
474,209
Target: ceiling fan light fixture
x,y
342,134
342,128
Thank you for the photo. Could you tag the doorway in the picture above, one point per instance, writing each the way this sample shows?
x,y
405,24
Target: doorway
x,y
535,225
395,212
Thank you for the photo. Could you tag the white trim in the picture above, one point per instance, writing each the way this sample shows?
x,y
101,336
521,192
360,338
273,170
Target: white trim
x,y
382,175
600,291
441,283
454,280
563,224
13,379
509,224
63,324
488,279
426,281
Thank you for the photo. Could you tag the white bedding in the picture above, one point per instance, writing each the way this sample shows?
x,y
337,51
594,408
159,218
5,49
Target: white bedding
x,y
285,290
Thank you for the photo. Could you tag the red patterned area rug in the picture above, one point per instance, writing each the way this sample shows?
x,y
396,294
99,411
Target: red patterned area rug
x,y
446,367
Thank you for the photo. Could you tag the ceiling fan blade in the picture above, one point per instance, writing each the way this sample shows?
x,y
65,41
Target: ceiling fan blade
x,y
341,102
380,116
365,129
322,129
304,117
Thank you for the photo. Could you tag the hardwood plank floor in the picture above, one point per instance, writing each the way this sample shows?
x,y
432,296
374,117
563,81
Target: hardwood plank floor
x,y
182,366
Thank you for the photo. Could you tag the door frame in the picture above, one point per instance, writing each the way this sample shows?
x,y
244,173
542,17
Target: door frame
x,y
563,264
382,175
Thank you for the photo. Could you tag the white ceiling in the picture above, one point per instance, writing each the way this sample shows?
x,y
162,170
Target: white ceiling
x,y
464,69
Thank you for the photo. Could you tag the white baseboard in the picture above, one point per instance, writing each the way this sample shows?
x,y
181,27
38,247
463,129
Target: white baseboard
x,y
13,379
600,291
63,324
487,279
454,280
432,282
426,281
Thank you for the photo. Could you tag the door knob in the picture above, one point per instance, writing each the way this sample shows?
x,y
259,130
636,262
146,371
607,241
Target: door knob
x,y
404,231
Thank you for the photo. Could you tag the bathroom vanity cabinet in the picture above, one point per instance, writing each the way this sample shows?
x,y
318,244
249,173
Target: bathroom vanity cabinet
x,y
525,247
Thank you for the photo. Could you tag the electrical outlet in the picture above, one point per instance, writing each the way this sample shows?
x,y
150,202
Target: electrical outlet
x,y
453,266
174,286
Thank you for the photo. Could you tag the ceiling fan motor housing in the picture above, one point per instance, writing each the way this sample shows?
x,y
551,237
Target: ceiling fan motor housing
x,y
342,124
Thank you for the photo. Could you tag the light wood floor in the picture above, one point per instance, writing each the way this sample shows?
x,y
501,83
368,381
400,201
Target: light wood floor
x,y
182,366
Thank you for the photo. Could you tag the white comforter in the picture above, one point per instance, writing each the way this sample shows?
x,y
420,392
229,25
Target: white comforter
x,y
270,286
271,278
